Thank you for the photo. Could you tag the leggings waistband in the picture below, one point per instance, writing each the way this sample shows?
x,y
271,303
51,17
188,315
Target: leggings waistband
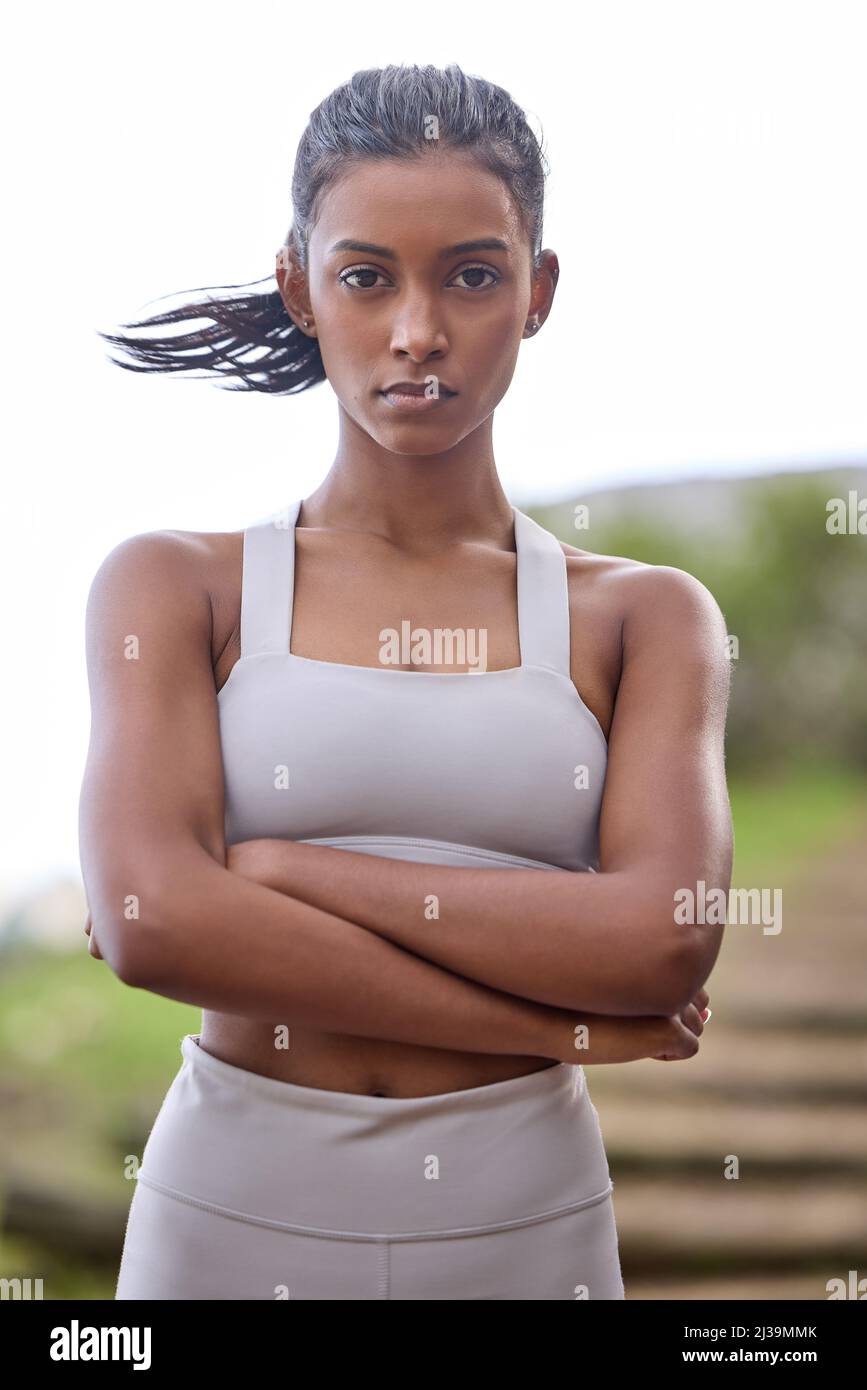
x,y
333,1163
326,1232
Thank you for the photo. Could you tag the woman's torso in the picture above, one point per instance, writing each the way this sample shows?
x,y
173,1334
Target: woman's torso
x,y
347,587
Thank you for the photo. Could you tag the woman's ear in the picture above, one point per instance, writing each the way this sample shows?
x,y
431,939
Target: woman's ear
x,y
292,284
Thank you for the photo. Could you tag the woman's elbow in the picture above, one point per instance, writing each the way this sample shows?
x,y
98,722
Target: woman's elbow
x,y
127,953
692,962
139,933
127,937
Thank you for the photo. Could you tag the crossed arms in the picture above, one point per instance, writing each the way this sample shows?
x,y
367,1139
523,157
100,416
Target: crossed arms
x,y
341,939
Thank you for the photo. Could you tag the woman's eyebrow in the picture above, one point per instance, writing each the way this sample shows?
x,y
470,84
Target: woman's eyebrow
x,y
369,248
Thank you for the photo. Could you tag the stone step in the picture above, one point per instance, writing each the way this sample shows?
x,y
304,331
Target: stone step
x,y
710,1227
694,1135
748,1066
767,1287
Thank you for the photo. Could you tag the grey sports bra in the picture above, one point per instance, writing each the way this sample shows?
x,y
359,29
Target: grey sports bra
x,y
480,768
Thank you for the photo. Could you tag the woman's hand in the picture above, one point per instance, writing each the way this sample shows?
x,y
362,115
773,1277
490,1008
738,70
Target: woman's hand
x,y
678,1037
610,1038
92,946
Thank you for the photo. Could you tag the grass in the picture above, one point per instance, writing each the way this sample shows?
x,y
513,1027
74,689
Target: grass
x,y
783,819
68,1019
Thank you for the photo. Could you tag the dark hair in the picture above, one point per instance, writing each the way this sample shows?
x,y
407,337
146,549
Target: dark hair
x,y
380,113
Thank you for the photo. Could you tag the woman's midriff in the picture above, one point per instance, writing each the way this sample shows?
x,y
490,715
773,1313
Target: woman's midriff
x,y
364,1066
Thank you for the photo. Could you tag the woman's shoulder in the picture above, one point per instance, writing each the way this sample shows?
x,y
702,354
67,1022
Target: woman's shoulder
x,y
208,561
620,597
600,583
188,567
200,553
634,581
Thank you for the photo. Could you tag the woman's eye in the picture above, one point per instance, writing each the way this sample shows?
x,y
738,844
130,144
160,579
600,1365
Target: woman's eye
x,y
478,270
350,274
469,270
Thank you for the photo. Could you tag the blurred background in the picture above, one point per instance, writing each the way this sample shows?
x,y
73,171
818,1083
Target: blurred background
x,y
695,399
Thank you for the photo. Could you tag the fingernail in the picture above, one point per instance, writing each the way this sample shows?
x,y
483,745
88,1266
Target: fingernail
x,y
705,1014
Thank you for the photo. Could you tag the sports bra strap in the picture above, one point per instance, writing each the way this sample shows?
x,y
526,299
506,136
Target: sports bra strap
x,y
543,596
268,582
268,585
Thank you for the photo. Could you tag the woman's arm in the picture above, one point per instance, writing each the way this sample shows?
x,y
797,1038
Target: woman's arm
x,y
169,916
608,941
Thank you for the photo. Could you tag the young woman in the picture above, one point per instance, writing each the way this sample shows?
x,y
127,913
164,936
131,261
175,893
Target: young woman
x,y
392,784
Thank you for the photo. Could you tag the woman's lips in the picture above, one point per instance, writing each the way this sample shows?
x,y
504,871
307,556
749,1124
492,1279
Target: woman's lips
x,y
412,403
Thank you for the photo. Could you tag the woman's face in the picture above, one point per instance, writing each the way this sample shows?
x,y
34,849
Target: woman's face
x,y
400,303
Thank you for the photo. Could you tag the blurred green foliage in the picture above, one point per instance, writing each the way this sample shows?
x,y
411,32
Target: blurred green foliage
x,y
794,597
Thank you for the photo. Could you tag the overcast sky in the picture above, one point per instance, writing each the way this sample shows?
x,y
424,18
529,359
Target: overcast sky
x,y
706,202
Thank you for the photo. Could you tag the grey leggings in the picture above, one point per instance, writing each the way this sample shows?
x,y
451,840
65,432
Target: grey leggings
x,y
254,1188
